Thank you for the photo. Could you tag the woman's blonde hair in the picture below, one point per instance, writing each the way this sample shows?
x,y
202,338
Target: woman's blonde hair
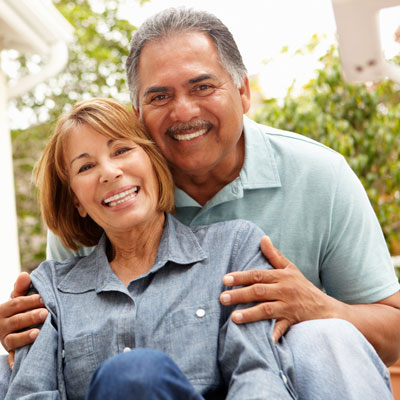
x,y
112,120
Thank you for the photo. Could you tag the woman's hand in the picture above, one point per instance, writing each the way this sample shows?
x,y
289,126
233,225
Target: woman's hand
x,y
20,313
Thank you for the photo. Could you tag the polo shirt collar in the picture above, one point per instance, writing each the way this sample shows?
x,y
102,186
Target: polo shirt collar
x,y
178,244
260,169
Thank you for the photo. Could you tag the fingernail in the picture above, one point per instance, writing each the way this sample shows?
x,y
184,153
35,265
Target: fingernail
x,y
41,300
12,366
43,315
274,339
228,279
226,298
33,334
238,316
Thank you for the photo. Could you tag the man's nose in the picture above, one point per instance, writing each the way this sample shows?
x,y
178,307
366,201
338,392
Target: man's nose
x,y
184,108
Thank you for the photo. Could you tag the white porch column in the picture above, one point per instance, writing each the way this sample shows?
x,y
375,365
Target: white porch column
x,y
10,263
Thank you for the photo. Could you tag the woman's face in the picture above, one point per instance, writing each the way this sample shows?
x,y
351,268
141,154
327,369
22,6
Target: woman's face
x,y
113,180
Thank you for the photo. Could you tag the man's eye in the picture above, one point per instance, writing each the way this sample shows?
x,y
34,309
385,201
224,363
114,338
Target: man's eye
x,y
85,168
160,99
204,90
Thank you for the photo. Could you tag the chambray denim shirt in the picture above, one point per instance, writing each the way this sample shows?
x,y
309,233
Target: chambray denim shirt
x,y
174,308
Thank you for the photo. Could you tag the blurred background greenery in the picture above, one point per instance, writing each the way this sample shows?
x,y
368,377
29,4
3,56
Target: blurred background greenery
x,y
359,121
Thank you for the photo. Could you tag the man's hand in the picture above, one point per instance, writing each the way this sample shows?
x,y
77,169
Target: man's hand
x,y
283,293
20,312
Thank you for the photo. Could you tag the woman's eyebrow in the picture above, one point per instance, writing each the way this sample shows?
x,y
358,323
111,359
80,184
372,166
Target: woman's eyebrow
x,y
83,155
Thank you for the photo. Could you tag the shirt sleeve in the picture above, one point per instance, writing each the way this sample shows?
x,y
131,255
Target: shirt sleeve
x,y
56,251
37,372
356,267
252,365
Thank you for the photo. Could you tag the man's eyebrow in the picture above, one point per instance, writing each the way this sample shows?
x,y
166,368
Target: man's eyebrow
x,y
155,89
201,78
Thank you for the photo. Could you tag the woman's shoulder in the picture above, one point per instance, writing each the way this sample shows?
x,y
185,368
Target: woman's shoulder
x,y
50,272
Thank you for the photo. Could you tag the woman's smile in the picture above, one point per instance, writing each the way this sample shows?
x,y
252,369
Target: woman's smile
x,y
121,197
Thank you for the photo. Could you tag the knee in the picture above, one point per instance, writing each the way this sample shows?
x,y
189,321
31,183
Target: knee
x,y
142,364
327,337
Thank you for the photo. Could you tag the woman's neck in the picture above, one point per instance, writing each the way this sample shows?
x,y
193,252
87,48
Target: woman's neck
x,y
133,253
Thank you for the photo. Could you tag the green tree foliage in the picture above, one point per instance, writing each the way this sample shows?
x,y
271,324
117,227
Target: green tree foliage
x,y
95,68
362,122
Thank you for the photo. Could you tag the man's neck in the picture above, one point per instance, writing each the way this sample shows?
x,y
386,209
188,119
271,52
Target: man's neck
x,y
202,186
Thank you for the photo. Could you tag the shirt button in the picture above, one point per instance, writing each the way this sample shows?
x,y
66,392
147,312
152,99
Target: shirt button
x,y
200,313
126,349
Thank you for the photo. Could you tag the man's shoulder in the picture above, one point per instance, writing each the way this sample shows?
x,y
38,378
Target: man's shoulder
x,y
228,230
286,142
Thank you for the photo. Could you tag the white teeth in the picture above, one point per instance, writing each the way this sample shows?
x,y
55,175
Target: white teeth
x,y
189,136
121,197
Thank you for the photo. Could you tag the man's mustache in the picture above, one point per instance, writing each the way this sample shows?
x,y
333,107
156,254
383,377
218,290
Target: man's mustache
x,y
188,126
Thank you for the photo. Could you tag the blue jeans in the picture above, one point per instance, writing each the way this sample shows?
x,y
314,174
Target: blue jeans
x,y
143,374
331,360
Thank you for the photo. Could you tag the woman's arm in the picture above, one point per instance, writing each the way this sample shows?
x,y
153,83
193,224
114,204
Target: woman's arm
x,y
252,365
35,373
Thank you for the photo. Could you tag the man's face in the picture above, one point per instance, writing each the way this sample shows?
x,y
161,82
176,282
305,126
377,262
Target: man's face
x,y
190,105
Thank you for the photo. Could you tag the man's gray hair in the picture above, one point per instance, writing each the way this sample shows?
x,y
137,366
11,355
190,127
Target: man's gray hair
x,y
180,20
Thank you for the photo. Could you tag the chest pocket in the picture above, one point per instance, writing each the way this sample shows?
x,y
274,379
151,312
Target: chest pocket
x,y
193,341
79,364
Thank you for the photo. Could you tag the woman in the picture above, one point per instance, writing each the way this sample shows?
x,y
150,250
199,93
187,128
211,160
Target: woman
x,y
151,282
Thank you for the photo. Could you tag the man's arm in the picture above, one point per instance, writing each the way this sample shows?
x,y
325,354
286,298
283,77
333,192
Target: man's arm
x,y
285,294
19,313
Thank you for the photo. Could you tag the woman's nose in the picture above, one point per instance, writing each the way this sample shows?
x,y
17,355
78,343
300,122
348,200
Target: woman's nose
x,y
109,173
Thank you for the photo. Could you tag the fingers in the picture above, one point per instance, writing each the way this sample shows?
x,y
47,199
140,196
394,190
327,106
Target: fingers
x,y
19,305
11,337
16,340
244,278
249,294
280,328
273,255
258,312
10,359
21,285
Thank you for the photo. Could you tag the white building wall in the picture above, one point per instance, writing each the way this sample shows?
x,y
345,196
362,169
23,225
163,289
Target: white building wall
x,y
9,252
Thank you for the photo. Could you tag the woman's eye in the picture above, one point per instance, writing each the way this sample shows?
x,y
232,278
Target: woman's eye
x,y
85,168
122,150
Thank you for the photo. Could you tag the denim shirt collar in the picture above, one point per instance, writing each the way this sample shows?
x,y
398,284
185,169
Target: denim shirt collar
x,y
178,244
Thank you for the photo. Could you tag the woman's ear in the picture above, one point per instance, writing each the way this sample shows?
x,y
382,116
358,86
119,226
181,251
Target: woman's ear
x,y
81,210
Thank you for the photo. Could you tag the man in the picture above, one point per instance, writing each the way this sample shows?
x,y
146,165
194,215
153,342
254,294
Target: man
x,y
189,86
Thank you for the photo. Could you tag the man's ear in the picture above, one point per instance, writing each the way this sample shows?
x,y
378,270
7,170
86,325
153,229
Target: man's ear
x,y
244,91
81,210
136,111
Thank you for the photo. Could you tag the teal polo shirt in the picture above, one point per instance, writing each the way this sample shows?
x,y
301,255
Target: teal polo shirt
x,y
308,200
